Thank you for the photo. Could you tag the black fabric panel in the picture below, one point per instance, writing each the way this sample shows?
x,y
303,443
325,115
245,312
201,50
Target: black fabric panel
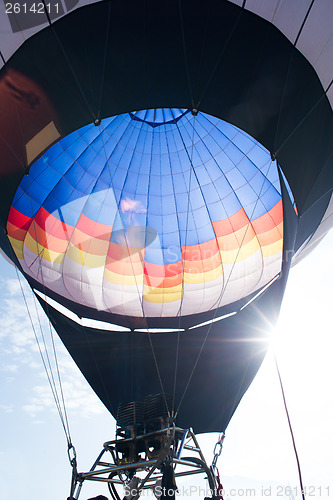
x,y
120,366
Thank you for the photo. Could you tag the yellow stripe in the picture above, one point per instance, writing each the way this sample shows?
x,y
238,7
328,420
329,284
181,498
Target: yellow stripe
x,y
17,247
241,253
273,249
85,258
193,278
162,297
43,252
125,280
161,291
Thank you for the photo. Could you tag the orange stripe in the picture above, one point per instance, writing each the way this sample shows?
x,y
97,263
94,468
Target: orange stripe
x,y
85,243
155,282
237,239
15,232
231,224
94,229
125,268
271,236
118,252
46,240
201,266
200,251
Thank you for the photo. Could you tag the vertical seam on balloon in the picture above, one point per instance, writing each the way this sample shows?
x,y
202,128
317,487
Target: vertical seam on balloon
x,y
204,199
104,61
292,52
203,46
185,53
175,202
303,23
276,10
142,259
219,58
118,212
329,86
62,178
258,197
230,141
189,206
69,64
258,169
107,169
46,12
59,209
93,222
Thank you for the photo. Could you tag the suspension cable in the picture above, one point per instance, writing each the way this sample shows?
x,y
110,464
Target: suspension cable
x,y
290,429
48,371
45,358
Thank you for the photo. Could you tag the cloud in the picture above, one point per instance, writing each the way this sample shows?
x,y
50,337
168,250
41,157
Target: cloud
x,y
132,206
9,368
6,408
20,357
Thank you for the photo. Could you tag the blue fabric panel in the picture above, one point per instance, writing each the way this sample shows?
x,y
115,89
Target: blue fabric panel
x,y
165,168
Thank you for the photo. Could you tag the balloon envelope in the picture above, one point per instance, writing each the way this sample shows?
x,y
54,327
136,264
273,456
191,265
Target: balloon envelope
x,y
173,174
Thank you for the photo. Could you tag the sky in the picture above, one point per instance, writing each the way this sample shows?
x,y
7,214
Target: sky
x,y
257,460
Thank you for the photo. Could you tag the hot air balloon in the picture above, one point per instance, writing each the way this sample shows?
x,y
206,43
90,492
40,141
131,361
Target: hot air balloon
x,y
162,167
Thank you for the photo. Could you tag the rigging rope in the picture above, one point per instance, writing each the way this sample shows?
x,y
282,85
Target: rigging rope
x,y
48,371
61,408
290,429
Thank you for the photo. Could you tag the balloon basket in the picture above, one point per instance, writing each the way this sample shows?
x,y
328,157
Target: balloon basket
x,y
141,463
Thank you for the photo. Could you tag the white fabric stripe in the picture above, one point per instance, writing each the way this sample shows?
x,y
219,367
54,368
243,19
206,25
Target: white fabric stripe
x,y
86,285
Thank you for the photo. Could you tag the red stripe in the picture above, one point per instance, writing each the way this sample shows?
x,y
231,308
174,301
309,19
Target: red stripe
x,y
18,219
269,220
161,270
160,282
52,225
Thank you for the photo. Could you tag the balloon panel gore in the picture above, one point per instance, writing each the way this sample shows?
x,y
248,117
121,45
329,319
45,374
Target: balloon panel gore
x,y
151,213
